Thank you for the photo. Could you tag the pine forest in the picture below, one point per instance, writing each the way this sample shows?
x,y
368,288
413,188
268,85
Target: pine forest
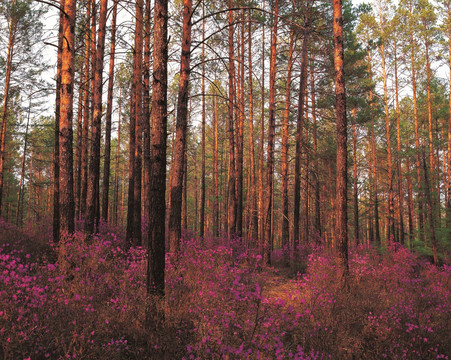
x,y
236,179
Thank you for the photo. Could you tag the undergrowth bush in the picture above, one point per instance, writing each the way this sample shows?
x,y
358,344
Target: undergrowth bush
x,y
85,298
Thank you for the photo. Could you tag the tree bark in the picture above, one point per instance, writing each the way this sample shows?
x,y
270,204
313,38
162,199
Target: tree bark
x,y
355,188
9,58
318,230
94,166
66,177
391,209
157,179
340,112
232,191
299,140
267,245
398,140
109,112
86,117
285,145
178,166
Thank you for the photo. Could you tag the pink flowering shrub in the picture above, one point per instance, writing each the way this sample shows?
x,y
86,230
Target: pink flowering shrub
x,y
86,298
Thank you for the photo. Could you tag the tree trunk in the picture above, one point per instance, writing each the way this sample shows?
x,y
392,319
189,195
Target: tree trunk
x,y
109,112
66,177
430,212
116,171
285,144
299,140
146,107
202,180
340,111
19,210
253,208
157,179
318,230
267,246
355,188
391,209
240,136
262,135
56,148
9,59
86,117
398,138
178,166
94,165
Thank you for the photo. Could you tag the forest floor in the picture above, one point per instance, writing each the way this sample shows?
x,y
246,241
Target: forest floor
x,y
86,299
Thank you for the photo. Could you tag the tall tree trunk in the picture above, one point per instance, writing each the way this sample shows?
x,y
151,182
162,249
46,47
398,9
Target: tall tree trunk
x,y
86,117
19,210
94,165
317,222
267,246
340,111
398,141
285,145
448,190
66,177
133,233
253,209
391,209
355,177
421,216
116,171
109,112
231,103
156,237
56,148
79,144
9,58
373,160
146,107
138,93
262,134
202,180
299,139
431,211
240,136
178,165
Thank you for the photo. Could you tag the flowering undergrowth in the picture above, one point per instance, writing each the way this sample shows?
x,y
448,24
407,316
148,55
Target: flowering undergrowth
x,y
85,299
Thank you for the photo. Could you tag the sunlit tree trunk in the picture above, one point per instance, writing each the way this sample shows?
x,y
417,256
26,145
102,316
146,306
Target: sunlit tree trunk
x,y
109,112
231,132
202,180
146,107
19,210
66,177
94,166
118,149
56,148
9,58
355,178
86,117
391,209
262,136
157,179
398,141
178,166
430,211
317,221
299,140
240,135
267,246
285,144
253,208
340,111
